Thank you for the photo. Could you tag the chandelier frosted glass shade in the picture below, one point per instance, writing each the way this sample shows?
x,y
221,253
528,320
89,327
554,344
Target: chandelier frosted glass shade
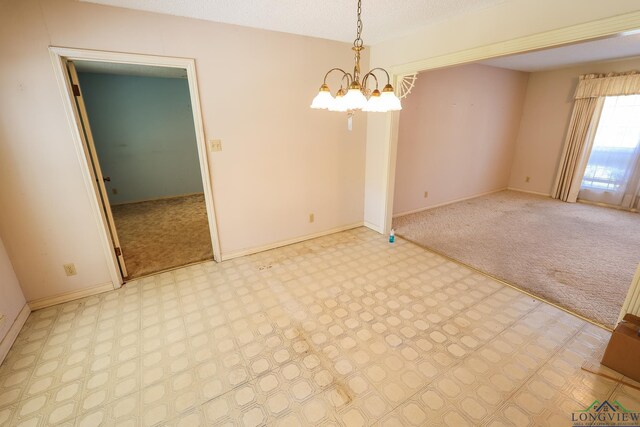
x,y
323,99
375,103
389,99
356,97
338,103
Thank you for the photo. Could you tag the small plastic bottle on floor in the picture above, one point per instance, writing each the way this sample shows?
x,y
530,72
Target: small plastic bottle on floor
x,y
392,236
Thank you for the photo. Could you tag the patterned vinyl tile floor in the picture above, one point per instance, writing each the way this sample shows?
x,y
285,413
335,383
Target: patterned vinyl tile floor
x,y
345,329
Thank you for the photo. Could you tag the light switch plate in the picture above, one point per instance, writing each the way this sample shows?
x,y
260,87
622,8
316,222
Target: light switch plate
x,y
215,145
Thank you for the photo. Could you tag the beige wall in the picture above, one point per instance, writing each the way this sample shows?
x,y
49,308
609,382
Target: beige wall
x,y
457,135
506,21
545,120
280,160
11,298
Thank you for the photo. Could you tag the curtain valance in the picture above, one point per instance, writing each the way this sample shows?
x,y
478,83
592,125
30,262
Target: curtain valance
x,y
611,84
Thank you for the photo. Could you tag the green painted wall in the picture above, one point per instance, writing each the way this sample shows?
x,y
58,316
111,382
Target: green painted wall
x,y
144,135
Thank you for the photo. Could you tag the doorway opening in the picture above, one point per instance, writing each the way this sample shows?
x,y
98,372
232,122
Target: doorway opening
x,y
477,150
139,133
139,125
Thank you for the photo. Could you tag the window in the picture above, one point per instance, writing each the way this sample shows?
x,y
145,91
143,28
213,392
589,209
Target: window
x,y
613,168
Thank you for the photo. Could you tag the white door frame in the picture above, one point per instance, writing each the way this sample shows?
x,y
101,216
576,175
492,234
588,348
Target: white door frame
x,y
609,27
95,168
59,55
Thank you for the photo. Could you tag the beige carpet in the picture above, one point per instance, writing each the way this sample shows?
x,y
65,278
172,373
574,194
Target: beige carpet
x,y
581,257
163,234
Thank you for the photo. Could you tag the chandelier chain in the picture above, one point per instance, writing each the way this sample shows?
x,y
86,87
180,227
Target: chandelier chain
x,y
358,41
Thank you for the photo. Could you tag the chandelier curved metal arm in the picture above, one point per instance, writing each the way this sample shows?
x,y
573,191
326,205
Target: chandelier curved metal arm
x,y
344,74
365,79
357,96
370,73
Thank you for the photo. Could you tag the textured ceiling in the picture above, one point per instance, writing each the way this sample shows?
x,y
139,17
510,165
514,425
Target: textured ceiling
x,y
598,50
329,19
129,69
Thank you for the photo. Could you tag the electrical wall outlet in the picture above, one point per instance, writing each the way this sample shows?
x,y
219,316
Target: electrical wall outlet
x,y
114,190
426,194
215,145
527,179
70,269
312,217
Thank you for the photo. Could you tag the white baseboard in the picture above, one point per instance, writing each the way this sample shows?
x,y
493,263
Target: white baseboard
x,y
69,296
374,227
528,192
255,250
12,334
462,199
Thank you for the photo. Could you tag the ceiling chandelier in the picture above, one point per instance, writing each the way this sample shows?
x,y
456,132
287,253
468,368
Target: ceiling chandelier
x,y
357,95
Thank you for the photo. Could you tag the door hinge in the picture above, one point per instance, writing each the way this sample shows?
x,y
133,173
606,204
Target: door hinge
x,y
118,252
76,89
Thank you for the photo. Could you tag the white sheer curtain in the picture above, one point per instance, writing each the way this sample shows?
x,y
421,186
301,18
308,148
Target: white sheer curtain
x,y
612,174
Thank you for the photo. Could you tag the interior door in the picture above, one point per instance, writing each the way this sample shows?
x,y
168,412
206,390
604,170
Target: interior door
x,y
87,137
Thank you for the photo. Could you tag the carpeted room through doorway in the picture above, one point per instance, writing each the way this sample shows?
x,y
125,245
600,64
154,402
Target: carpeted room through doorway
x,y
579,256
162,234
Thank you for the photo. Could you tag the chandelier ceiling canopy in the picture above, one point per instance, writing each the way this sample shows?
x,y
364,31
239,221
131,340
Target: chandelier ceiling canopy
x,y
357,95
